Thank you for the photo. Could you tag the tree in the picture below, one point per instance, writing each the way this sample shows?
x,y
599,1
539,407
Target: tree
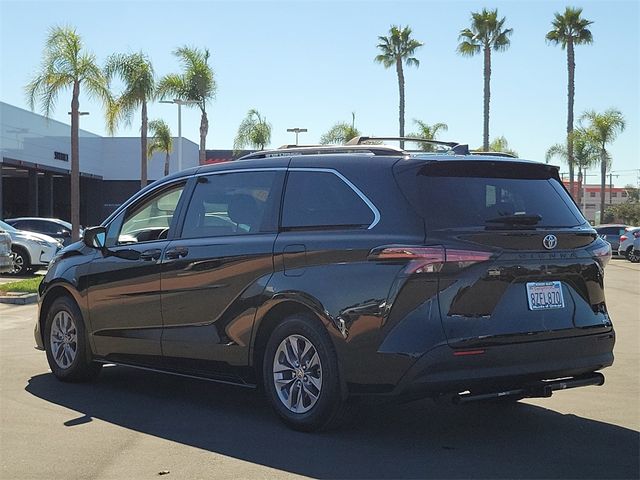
x,y
585,155
633,193
136,72
485,35
500,144
341,132
428,132
66,64
603,128
397,50
196,85
570,29
253,131
161,141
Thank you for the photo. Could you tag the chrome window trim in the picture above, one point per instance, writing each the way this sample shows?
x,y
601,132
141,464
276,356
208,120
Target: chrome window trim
x,y
356,190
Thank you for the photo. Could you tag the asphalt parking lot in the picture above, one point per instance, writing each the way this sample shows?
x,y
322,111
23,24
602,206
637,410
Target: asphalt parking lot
x,y
132,424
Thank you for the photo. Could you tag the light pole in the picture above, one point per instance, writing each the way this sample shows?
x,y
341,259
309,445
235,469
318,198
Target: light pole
x,y
297,130
179,102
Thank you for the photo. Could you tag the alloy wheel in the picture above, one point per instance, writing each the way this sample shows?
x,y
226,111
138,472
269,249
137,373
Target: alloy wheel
x,y
18,264
64,339
297,373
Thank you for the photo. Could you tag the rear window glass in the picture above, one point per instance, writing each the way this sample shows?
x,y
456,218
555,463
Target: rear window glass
x,y
320,199
487,194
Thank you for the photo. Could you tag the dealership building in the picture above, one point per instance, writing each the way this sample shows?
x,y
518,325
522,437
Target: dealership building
x,y
35,164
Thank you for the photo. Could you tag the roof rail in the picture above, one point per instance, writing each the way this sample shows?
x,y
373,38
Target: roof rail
x,y
287,150
454,147
493,154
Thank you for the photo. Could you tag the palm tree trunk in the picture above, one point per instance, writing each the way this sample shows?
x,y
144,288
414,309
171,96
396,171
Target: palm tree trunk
x,y
487,96
143,147
579,187
571,68
603,180
400,73
166,164
204,129
75,162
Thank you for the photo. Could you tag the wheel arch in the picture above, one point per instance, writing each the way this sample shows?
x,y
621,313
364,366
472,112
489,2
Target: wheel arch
x,y
52,293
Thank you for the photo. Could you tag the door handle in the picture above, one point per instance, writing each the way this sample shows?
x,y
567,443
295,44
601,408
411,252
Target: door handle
x,y
176,252
153,254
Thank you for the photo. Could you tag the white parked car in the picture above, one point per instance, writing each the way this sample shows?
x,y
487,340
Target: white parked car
x,y
634,257
626,242
32,251
6,259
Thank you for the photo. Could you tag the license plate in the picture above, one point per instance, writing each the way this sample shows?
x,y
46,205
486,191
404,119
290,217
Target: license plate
x,y
544,295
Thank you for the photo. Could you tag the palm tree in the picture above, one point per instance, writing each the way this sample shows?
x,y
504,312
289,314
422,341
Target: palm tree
x,y
253,131
428,132
136,72
196,84
487,33
67,64
500,144
161,141
585,155
397,49
603,128
569,29
341,132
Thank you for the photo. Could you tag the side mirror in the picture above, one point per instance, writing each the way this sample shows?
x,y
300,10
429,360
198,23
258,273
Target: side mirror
x,y
95,237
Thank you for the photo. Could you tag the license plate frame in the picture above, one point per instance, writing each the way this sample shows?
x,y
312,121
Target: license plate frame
x,y
545,295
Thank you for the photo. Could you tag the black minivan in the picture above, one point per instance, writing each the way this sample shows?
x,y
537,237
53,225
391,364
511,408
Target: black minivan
x,y
323,274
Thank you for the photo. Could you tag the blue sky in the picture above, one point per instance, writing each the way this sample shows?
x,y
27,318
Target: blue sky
x,y
310,64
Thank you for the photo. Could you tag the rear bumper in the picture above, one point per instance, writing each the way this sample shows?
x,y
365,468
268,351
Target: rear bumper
x,y
445,370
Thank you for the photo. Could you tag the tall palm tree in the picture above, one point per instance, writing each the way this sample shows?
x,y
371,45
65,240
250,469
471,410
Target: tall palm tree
x,y
136,72
428,132
161,141
253,131
66,64
570,29
341,132
196,84
397,50
585,155
603,128
486,34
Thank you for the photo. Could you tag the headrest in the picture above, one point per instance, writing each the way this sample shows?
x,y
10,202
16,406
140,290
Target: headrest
x,y
244,209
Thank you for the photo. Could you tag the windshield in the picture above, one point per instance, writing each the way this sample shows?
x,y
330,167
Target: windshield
x,y
488,194
6,227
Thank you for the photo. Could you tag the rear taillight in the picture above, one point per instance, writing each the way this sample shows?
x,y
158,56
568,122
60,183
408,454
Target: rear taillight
x,y
623,238
428,259
602,253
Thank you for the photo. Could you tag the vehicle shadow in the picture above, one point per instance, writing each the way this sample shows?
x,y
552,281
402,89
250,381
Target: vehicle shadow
x,y
416,440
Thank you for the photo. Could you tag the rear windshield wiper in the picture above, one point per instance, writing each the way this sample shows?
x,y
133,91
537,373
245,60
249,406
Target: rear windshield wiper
x,y
516,219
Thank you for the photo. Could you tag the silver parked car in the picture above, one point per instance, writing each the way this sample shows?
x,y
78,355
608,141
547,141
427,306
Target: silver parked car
x,y
6,258
634,256
53,227
626,241
31,251
611,233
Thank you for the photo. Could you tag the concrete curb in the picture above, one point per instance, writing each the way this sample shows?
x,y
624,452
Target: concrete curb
x,y
19,298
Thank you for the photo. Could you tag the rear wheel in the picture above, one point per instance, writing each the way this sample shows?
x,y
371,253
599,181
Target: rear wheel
x,y
300,372
21,261
65,339
632,257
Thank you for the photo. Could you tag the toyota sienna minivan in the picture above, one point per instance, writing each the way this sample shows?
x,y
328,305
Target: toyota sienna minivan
x,y
322,274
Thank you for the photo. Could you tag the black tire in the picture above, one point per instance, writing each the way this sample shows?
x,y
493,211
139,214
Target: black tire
x,y
632,257
21,261
330,409
81,368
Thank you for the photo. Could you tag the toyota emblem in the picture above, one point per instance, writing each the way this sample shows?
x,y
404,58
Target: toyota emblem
x,y
550,242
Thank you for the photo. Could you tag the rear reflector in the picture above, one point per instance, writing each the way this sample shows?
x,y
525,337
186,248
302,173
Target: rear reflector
x,y
428,259
460,353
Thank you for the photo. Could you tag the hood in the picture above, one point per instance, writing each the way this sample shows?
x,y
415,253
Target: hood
x,y
22,234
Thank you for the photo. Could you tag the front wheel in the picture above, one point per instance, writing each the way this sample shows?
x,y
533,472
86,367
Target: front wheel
x,y
301,376
65,339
